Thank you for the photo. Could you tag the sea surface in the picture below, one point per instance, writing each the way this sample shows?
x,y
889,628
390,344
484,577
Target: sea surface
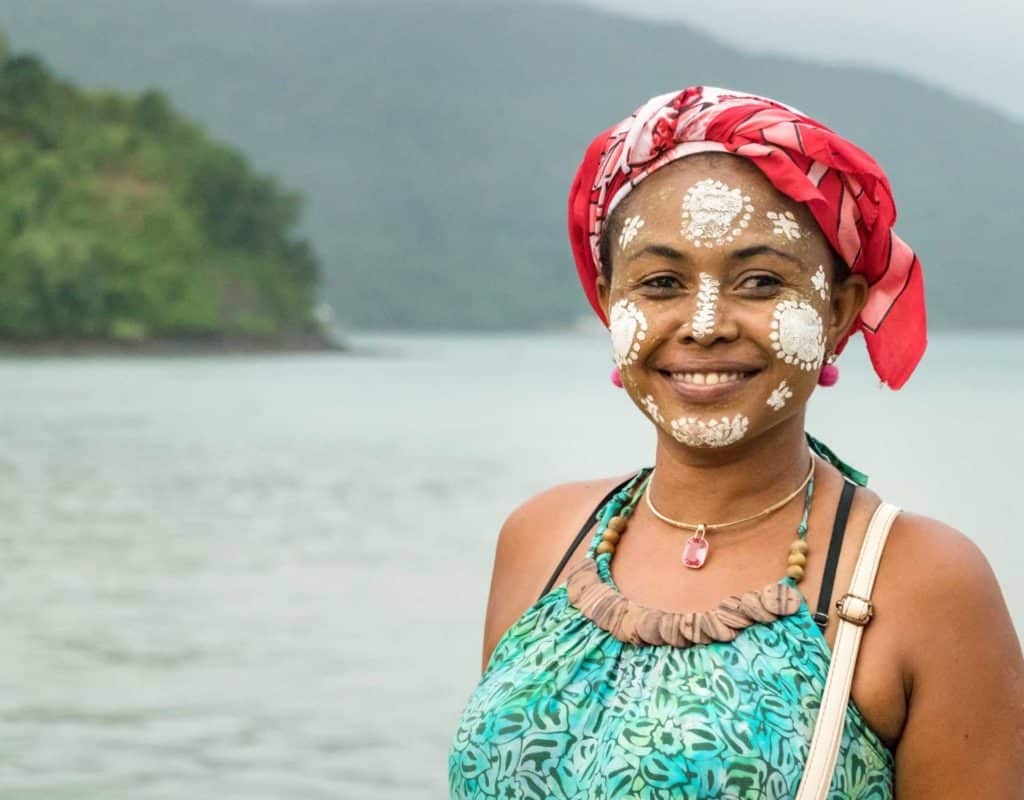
x,y
265,577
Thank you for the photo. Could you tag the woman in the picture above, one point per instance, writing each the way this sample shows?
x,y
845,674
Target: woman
x,y
733,245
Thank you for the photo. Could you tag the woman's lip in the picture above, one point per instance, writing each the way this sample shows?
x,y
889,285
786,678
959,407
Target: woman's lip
x,y
707,392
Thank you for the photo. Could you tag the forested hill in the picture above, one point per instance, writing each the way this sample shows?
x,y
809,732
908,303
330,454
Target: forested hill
x,y
123,222
435,141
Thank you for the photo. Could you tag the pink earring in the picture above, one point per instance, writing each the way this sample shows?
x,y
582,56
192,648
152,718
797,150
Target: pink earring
x,y
616,377
829,375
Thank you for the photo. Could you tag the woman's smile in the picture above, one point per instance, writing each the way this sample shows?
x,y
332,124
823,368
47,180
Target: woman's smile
x,y
709,384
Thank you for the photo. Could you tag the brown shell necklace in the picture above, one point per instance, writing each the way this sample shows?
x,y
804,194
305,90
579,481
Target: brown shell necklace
x,y
591,589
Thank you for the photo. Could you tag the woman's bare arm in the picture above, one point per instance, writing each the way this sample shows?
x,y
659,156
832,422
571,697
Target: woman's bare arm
x,y
964,733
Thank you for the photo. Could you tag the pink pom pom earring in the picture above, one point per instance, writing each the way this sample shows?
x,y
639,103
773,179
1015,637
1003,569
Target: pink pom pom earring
x,y
616,377
829,375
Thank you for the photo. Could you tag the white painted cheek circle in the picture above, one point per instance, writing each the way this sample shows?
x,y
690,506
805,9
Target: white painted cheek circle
x,y
797,334
628,327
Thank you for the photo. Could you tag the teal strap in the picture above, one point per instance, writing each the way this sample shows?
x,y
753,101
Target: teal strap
x,y
821,449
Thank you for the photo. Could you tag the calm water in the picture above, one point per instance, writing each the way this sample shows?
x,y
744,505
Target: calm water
x,y
265,577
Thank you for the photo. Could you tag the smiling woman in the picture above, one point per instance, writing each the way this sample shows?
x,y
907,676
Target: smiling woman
x,y
725,248
732,245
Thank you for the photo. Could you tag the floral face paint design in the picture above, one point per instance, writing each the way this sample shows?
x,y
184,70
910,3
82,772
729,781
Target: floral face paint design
x,y
630,228
784,224
797,334
651,408
777,399
704,317
710,209
697,432
820,284
628,327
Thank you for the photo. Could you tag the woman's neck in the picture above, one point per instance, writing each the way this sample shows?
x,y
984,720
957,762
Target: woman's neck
x,y
716,485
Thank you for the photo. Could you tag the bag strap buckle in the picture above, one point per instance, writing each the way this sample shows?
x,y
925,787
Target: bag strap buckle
x,y
855,609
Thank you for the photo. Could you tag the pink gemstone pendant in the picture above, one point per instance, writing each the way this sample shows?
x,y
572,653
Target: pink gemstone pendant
x,y
696,551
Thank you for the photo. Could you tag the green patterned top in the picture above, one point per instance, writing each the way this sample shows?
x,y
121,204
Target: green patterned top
x,y
566,710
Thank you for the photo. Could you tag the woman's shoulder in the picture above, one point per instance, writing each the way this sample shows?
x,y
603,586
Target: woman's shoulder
x,y
930,559
531,543
931,570
537,532
538,516
921,553
944,598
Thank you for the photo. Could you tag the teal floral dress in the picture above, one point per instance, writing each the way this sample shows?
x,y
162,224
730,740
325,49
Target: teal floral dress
x,y
566,710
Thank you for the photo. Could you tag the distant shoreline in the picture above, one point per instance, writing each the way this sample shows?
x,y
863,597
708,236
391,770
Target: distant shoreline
x,y
209,345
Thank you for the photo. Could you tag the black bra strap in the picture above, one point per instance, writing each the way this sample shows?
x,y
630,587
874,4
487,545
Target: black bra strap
x,y
832,560
579,536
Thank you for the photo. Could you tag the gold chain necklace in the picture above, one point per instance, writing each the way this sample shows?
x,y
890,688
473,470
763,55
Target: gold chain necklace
x,y
695,552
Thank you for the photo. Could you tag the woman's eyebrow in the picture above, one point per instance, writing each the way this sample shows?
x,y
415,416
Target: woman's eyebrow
x,y
764,250
661,250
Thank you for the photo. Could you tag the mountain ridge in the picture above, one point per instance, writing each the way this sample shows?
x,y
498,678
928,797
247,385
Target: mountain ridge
x,y
436,145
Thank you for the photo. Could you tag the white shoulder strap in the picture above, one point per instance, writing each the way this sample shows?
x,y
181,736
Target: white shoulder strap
x,y
855,611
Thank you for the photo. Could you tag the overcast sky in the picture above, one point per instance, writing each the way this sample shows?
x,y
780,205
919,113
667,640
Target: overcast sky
x,y
974,47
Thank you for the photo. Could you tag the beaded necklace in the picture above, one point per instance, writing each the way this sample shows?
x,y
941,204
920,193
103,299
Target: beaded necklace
x,y
593,592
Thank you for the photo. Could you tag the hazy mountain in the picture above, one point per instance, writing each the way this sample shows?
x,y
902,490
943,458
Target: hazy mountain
x,y
435,144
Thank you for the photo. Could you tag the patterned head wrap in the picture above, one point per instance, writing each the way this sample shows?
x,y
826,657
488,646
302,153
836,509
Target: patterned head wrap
x,y
844,188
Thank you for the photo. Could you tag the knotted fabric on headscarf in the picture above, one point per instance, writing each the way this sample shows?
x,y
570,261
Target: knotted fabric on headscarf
x,y
844,188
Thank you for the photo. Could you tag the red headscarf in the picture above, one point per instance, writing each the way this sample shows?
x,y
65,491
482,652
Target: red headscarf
x,y
844,188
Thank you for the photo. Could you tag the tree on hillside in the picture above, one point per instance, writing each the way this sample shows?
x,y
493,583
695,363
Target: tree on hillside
x,y
121,219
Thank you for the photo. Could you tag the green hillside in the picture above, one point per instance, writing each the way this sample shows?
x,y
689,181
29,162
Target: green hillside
x,y
435,142
122,221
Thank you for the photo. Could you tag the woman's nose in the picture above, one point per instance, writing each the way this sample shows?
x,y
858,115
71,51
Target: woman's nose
x,y
709,317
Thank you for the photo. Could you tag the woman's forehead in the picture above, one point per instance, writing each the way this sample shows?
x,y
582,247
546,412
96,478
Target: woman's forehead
x,y
715,202
664,190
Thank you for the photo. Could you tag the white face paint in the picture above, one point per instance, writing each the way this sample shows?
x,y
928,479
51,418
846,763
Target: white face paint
x,y
628,327
704,316
710,211
697,432
797,334
777,399
785,224
651,408
820,284
630,228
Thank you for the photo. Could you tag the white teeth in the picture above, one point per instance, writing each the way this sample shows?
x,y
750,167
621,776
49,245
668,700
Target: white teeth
x,y
706,378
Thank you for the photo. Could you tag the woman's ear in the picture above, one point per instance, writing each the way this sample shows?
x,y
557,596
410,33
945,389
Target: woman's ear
x,y
603,292
847,301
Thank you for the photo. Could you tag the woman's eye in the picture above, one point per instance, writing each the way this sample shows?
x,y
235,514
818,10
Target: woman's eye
x,y
761,282
662,282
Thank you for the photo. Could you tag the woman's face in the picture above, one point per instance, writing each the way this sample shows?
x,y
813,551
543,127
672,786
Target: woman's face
x,y
721,302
